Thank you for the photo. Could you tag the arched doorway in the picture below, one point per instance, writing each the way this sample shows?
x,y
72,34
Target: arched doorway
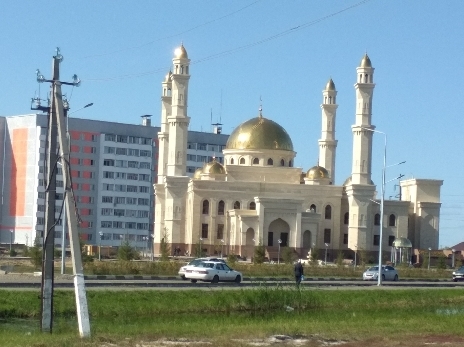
x,y
307,239
249,248
278,230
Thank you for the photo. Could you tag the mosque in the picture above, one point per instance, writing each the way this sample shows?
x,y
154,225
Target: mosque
x,y
257,196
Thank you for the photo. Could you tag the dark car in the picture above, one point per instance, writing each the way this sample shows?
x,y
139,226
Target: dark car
x,y
458,275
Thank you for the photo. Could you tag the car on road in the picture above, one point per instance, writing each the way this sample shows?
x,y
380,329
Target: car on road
x,y
389,273
212,271
196,262
458,275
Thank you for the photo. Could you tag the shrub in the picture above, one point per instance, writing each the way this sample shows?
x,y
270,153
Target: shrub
x,y
314,256
127,252
165,248
13,252
288,255
260,254
340,258
35,253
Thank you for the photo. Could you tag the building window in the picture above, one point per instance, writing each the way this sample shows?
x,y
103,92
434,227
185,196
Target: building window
x,y
313,208
391,238
221,208
231,160
376,240
392,220
345,239
346,218
202,146
242,161
121,138
282,162
252,205
220,232
205,208
270,238
255,161
377,219
237,205
328,212
204,231
327,233
270,162
131,189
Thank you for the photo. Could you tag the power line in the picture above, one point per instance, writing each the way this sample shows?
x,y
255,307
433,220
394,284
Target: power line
x,y
241,48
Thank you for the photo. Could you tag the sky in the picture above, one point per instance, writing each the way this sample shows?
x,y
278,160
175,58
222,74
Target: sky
x,y
249,52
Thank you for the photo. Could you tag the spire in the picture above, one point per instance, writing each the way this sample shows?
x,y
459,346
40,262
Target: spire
x,y
260,108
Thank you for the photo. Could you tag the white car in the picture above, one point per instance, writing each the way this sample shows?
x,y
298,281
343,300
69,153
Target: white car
x,y
389,273
196,262
212,271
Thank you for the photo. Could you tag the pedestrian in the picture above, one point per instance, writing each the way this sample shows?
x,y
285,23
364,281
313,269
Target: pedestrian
x,y
298,272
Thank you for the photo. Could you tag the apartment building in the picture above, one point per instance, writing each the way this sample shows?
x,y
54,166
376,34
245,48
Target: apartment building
x,y
113,168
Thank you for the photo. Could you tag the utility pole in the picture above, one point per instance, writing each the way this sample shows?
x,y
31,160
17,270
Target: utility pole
x,y
57,131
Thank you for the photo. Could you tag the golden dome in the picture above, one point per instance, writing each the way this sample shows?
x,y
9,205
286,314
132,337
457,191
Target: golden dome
x,y
260,133
181,53
317,172
365,62
330,85
402,242
214,168
197,174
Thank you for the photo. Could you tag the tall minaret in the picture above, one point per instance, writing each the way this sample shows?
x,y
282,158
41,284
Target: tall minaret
x,y
362,139
178,121
163,135
327,143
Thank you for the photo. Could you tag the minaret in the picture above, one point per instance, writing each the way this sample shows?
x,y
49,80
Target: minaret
x,y
163,135
362,139
178,121
327,143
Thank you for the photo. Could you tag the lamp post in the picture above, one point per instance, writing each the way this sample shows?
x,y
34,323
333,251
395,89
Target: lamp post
x,y
11,238
382,198
428,267
99,245
222,245
326,245
152,255
279,241
452,257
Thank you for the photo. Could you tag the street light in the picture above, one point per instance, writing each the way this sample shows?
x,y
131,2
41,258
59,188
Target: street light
x,y
222,245
452,257
99,245
430,248
279,241
326,245
382,198
11,238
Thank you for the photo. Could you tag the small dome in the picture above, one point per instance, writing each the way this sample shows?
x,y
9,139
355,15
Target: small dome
x,y
317,172
167,79
365,62
197,174
180,52
214,168
330,85
402,242
259,133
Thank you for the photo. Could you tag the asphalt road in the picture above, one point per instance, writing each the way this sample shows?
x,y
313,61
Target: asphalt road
x,y
29,281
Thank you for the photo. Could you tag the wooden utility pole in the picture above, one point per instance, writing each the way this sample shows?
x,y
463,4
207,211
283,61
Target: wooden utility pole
x,y
56,131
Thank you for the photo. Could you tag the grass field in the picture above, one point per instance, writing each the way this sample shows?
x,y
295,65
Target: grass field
x,y
375,317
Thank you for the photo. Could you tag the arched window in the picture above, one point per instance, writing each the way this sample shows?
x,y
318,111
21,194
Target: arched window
x,y
328,212
270,162
252,205
205,209
242,161
232,160
221,208
290,163
313,208
346,218
282,162
255,161
237,205
377,219
392,220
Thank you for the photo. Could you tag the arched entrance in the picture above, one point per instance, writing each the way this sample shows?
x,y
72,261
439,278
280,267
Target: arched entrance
x,y
307,239
249,248
278,230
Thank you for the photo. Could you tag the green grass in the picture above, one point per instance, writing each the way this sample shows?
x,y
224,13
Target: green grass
x,y
133,316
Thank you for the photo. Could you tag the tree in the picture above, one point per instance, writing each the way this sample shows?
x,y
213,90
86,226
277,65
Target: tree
x,y
259,254
314,255
35,253
127,252
165,248
340,258
288,255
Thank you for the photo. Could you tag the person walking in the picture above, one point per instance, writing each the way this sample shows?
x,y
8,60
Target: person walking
x,y
298,272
